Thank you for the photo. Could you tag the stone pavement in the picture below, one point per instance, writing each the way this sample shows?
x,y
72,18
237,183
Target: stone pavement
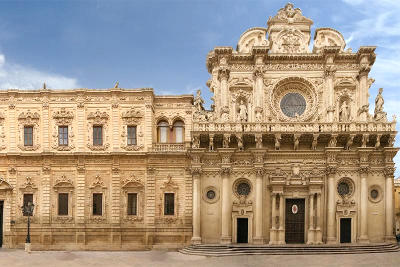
x,y
17,258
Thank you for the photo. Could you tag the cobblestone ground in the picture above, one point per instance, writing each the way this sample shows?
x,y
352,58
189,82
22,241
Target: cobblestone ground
x,y
16,258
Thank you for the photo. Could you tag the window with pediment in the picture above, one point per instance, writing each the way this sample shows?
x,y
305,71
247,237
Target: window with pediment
x,y
133,199
131,129
98,137
28,126
28,193
98,200
63,200
63,135
169,201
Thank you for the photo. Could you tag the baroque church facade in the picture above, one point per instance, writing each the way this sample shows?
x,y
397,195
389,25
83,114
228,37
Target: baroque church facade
x,y
288,153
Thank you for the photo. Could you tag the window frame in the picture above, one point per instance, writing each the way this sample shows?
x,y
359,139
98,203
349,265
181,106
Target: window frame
x,y
27,144
95,136
129,207
24,202
101,206
166,209
163,128
59,203
131,141
63,136
178,124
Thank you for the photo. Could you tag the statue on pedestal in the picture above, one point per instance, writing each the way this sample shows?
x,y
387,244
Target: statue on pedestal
x,y
379,114
344,113
242,111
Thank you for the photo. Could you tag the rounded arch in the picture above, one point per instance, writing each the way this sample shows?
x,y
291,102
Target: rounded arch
x,y
178,131
163,129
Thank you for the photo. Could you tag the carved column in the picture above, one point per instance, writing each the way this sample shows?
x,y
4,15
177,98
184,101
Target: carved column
x,y
331,233
80,192
364,204
45,127
281,240
45,209
389,174
80,122
258,239
196,174
363,98
226,236
329,76
223,76
318,228
311,220
272,232
115,192
259,76
12,126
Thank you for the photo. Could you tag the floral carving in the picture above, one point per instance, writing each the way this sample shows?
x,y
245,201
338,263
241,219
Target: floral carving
x,y
98,118
29,119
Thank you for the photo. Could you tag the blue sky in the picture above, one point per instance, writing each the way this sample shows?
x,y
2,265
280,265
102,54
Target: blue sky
x,y
163,43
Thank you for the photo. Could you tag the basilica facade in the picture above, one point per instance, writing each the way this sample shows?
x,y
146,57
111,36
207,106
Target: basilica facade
x,y
288,153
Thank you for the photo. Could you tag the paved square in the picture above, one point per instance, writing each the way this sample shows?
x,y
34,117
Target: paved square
x,y
17,258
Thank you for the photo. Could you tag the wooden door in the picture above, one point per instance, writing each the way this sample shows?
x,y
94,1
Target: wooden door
x,y
242,230
294,221
345,230
1,223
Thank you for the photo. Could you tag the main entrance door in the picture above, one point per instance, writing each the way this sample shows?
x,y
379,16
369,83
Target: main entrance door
x,y
345,230
294,222
242,230
1,223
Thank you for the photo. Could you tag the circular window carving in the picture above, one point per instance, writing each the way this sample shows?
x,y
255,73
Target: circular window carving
x,y
211,194
242,187
291,96
293,105
345,187
375,193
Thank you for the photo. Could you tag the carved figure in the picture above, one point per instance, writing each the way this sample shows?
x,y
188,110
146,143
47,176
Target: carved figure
x,y
198,101
258,141
333,141
277,142
349,143
240,142
379,114
196,142
364,140
296,143
344,112
314,143
378,142
258,114
225,141
242,111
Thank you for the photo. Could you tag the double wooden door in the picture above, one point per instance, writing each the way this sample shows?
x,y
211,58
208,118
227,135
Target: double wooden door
x,y
1,223
294,221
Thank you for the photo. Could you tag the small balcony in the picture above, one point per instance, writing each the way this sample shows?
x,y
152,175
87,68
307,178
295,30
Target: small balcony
x,y
169,147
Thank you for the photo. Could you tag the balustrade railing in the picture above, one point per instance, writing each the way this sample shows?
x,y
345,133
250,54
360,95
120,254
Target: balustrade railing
x,y
301,127
168,147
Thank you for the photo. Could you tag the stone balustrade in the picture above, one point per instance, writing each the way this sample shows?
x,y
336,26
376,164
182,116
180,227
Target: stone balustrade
x,y
168,147
301,127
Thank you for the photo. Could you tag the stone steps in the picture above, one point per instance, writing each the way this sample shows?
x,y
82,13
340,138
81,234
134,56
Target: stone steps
x,y
232,250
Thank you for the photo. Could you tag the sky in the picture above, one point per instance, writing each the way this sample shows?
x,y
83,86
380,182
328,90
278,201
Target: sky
x,y
163,44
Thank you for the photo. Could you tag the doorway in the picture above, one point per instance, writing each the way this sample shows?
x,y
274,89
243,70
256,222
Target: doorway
x,y
294,221
345,230
242,230
1,222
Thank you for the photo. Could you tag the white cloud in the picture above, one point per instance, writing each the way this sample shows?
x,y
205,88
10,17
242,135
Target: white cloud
x,y
14,76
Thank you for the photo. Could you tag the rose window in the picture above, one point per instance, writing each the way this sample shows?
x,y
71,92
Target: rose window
x,y
293,105
345,187
210,194
243,189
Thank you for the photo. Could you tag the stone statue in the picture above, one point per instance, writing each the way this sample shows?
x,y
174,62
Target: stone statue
x,y
349,143
379,114
344,112
196,142
198,101
277,142
240,142
242,111
296,143
314,143
225,141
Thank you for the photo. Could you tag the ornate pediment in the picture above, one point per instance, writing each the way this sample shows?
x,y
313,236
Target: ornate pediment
x,y
325,37
98,117
132,182
4,185
63,182
63,117
28,184
97,182
169,184
289,14
132,116
29,117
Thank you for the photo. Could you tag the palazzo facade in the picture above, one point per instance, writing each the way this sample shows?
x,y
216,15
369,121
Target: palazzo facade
x,y
288,153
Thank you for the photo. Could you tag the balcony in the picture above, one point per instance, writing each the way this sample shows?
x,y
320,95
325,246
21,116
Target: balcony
x,y
168,147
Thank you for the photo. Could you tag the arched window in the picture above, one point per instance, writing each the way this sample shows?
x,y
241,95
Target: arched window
x,y
179,130
162,129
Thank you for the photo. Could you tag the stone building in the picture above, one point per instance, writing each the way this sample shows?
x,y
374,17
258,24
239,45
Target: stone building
x,y
288,153
397,204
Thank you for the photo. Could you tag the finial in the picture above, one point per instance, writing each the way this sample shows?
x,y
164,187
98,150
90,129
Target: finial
x,y
116,84
44,86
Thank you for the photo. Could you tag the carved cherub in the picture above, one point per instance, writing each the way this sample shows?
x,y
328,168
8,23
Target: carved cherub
x,y
198,101
314,143
277,143
349,143
296,142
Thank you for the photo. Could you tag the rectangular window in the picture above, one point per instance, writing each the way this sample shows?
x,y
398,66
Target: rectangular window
x,y
97,135
131,135
28,136
63,135
169,203
63,204
132,203
27,198
98,204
